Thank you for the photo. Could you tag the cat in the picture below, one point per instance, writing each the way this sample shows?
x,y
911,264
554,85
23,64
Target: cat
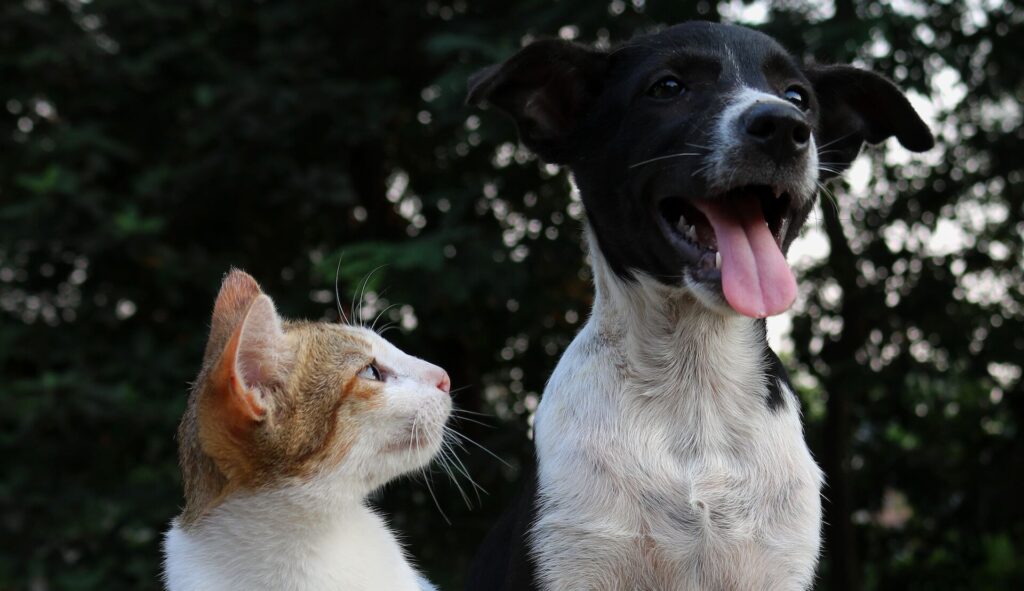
x,y
288,428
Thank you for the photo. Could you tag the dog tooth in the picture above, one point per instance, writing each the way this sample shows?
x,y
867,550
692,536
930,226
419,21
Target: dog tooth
x,y
681,224
691,233
718,260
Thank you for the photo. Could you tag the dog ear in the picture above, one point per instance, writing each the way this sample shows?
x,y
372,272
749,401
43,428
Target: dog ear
x,y
859,106
546,88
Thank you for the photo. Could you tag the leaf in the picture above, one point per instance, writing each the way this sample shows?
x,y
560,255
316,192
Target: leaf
x,y
53,179
130,222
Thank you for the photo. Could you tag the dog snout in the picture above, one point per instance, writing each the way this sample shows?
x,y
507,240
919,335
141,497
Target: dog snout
x,y
779,130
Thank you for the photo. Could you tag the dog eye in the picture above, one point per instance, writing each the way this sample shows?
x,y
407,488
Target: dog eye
x,y
666,88
796,96
370,372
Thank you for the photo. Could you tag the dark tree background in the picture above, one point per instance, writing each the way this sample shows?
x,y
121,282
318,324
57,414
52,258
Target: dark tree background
x,y
146,146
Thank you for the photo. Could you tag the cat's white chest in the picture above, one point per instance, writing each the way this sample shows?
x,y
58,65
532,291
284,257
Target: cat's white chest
x,y
228,552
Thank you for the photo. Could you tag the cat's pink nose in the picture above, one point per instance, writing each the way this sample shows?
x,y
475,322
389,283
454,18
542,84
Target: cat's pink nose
x,y
444,384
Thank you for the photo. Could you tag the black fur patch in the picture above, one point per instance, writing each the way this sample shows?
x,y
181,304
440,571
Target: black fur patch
x,y
775,373
503,562
777,376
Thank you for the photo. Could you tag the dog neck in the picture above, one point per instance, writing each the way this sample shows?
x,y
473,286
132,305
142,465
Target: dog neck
x,y
668,336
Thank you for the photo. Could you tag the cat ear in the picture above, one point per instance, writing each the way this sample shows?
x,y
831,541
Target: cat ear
x,y
237,293
252,363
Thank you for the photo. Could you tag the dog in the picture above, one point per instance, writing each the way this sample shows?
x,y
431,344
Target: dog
x,y
670,451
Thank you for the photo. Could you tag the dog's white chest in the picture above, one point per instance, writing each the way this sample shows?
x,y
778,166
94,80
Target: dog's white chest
x,y
649,483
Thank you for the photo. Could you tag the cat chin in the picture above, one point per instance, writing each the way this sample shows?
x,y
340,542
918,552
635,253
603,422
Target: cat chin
x,y
413,453
423,445
392,460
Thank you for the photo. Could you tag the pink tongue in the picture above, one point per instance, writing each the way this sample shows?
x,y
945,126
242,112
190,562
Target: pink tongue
x,y
755,277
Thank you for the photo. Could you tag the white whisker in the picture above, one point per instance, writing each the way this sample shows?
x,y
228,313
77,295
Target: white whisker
x,y
461,468
337,294
426,479
838,139
474,421
381,313
461,389
664,158
443,455
362,292
470,412
489,452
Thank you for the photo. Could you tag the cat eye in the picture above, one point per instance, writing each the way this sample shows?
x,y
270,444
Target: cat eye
x,y
371,372
797,96
666,88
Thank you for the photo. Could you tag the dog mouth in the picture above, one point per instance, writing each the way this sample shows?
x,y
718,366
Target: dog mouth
x,y
735,239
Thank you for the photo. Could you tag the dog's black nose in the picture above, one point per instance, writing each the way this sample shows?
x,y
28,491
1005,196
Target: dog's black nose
x,y
779,130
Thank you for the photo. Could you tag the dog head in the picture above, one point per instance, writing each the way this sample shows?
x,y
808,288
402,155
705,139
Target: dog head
x,y
699,150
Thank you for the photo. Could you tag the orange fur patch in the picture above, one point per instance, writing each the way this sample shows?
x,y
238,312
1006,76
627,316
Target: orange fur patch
x,y
230,439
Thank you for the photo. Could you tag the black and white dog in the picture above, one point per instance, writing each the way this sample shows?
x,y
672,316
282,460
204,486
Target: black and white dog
x,y
669,444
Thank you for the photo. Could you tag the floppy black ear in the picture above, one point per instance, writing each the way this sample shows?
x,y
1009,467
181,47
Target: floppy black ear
x,y
858,106
546,88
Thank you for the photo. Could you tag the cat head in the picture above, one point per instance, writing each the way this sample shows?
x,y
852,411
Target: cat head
x,y
329,408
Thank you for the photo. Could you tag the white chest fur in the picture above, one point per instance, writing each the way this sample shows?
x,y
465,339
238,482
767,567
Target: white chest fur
x,y
257,544
661,465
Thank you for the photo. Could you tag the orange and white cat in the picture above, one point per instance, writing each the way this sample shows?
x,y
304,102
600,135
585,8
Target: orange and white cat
x,y
289,427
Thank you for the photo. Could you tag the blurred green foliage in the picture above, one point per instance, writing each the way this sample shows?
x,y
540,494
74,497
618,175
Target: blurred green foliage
x,y
147,146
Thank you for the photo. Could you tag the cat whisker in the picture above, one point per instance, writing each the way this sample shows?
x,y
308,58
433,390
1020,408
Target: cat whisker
x,y
459,389
471,412
424,472
337,294
460,414
426,480
362,293
381,313
413,437
489,452
461,468
474,421
448,468
464,471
